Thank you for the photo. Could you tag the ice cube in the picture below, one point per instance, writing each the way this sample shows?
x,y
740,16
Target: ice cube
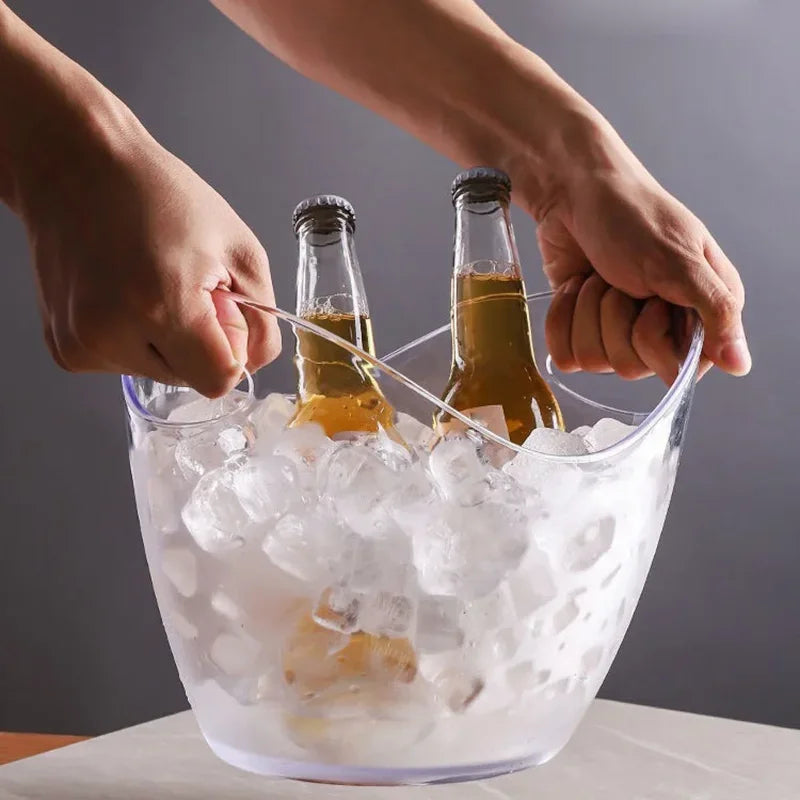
x,y
356,481
266,486
458,689
439,623
581,430
551,485
414,433
533,585
307,544
164,493
167,489
387,614
305,446
586,548
391,452
252,690
214,516
503,645
224,605
180,567
271,415
159,449
200,452
361,567
467,552
339,609
554,442
184,628
458,470
413,499
234,653
606,433
196,408
488,613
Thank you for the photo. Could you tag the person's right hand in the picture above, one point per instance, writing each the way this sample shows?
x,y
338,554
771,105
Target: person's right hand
x,y
133,253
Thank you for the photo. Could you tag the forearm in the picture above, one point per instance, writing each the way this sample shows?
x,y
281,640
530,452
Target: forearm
x,y
445,72
49,108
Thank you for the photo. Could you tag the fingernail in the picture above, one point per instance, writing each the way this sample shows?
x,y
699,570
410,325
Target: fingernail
x,y
735,357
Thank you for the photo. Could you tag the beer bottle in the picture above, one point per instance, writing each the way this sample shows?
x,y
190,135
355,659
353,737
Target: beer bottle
x,y
337,390
493,376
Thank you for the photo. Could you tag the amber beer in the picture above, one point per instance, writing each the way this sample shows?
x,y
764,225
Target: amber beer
x,y
338,391
493,377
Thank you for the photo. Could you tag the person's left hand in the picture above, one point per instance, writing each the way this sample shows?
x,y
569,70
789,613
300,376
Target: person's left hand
x,y
623,256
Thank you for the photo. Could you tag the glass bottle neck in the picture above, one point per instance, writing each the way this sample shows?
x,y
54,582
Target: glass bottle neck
x,y
484,238
490,322
328,276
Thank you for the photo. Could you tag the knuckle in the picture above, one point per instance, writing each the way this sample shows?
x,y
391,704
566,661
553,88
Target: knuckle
x,y
642,335
91,325
630,369
724,304
52,348
592,360
563,359
251,260
70,352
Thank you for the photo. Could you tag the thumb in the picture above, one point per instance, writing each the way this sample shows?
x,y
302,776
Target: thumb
x,y
233,323
721,312
720,308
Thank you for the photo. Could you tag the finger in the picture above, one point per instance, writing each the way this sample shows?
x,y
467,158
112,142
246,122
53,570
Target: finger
x,y
703,367
618,314
558,325
562,256
653,340
264,344
587,336
684,322
147,362
722,265
734,354
52,347
250,276
196,348
232,321
701,288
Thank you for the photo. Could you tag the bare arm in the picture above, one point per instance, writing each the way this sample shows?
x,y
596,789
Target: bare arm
x,y
618,247
441,69
129,245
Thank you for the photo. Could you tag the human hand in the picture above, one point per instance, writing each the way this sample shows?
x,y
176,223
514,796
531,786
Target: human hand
x,y
621,253
132,253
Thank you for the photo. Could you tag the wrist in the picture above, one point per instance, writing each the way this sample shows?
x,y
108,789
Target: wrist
x,y
552,139
53,116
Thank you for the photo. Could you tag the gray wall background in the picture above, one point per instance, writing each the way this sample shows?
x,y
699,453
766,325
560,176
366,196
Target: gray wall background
x,y
712,109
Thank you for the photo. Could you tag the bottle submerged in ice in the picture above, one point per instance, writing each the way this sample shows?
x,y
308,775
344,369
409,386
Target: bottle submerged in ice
x,y
353,645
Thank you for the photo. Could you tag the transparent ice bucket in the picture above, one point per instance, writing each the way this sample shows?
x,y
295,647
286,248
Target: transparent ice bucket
x,y
360,610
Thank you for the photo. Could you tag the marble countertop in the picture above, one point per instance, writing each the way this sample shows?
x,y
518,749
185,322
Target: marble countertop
x,y
621,752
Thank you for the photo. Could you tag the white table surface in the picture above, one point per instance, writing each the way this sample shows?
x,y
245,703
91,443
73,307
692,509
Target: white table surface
x,y
621,752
